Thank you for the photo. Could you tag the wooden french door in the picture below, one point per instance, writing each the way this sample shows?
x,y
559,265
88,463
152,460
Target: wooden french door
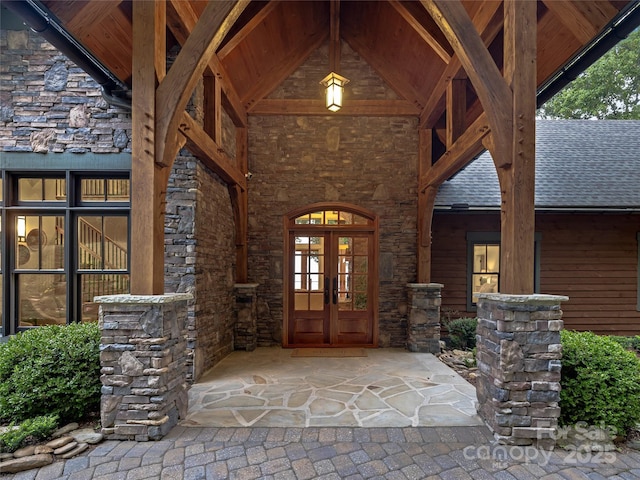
x,y
331,283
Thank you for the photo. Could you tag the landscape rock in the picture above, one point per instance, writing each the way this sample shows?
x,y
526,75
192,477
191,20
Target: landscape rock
x,y
25,451
59,442
87,435
42,449
66,429
26,463
65,448
81,447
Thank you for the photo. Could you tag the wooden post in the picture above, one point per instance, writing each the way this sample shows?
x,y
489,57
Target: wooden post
x,y
517,181
456,109
426,200
147,178
240,201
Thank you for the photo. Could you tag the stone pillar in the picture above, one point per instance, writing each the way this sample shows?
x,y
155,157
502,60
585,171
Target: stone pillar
x,y
423,325
143,360
519,358
246,330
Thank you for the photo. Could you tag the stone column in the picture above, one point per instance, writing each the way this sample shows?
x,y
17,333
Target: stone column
x,y
519,359
423,325
143,360
246,331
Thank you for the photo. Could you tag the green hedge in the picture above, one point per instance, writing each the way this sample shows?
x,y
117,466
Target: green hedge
x,y
600,382
53,370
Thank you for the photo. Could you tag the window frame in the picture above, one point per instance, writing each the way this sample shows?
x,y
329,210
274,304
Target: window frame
x,y
493,238
12,167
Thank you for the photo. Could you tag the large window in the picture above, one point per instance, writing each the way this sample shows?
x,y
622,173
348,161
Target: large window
x,y
65,239
483,265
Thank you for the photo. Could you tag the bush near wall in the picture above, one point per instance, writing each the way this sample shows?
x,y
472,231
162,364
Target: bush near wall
x,y
52,370
600,382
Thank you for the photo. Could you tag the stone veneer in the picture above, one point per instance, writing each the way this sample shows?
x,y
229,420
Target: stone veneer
x,y
519,360
370,162
143,360
423,326
246,335
49,105
200,259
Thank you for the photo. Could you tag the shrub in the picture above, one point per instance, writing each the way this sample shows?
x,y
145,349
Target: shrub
x,y
630,343
29,431
53,370
600,382
462,332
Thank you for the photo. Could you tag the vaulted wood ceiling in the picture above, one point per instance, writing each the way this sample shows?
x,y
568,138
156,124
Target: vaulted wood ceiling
x,y
397,38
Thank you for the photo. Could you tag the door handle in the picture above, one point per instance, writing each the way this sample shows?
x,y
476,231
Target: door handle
x,y
326,290
335,290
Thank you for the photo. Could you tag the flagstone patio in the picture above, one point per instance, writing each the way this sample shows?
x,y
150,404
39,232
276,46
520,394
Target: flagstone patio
x,y
387,388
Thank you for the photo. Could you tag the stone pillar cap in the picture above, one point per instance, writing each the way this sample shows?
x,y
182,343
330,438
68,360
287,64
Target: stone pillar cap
x,y
425,285
143,299
246,285
533,298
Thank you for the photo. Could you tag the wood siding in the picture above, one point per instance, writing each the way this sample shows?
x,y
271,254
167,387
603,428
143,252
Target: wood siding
x,y
593,259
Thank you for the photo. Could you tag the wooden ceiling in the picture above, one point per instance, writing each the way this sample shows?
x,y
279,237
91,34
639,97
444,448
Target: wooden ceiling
x,y
397,38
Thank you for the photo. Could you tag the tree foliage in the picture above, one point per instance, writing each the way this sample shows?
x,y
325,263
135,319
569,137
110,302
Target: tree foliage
x,y
608,89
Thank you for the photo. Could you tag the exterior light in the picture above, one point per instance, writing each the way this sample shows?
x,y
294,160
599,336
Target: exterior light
x,y
21,229
334,85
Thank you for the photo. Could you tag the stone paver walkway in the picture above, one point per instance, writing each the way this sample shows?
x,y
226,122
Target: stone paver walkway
x,y
449,453
390,387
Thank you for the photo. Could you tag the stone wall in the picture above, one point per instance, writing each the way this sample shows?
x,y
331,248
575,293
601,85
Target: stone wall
x,y
200,259
366,161
48,104
519,362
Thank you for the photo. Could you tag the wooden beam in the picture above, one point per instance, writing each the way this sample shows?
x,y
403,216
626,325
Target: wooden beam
x,y
517,183
584,19
375,108
175,90
183,20
463,150
240,204
413,22
334,36
213,108
147,178
488,20
209,153
426,202
493,92
456,109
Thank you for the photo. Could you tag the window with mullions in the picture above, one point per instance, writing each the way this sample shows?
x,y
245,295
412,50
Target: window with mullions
x,y
483,265
65,246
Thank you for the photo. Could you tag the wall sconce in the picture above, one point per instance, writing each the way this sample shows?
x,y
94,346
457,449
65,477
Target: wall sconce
x,y
21,228
334,85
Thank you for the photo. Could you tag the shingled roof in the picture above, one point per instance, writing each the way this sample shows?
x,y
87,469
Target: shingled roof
x,y
580,164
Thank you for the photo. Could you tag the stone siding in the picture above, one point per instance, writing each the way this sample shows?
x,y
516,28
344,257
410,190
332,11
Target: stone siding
x,y
200,259
370,162
48,104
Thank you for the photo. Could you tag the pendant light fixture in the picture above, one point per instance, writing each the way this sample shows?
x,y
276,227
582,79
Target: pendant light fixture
x,y
334,83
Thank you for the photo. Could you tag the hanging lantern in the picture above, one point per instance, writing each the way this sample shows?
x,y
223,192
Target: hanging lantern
x,y
334,85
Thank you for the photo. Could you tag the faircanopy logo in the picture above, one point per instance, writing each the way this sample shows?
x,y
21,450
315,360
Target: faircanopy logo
x,y
578,444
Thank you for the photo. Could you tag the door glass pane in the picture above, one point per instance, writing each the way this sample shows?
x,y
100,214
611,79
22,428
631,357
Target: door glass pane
x,y
93,285
353,264
308,273
41,299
